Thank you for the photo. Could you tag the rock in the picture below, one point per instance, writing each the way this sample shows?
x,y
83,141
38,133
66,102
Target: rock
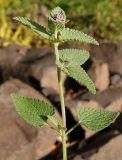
x,y
104,98
26,153
15,133
36,65
11,136
33,64
102,76
110,151
78,158
49,78
9,57
44,142
116,79
111,54
116,106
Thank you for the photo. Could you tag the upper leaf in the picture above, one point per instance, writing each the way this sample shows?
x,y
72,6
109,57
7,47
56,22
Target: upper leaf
x,y
34,26
75,56
78,73
71,34
96,119
34,111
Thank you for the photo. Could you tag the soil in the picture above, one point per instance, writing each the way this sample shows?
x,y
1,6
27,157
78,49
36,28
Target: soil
x,y
33,73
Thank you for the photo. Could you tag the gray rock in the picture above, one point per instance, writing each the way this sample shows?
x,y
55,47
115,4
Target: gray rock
x,y
104,98
115,79
35,65
111,54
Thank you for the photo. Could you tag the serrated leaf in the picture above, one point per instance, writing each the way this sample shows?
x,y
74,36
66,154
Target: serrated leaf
x,y
76,56
96,119
34,111
71,34
78,73
34,26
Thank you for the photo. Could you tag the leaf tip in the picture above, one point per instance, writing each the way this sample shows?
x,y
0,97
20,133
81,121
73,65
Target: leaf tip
x,y
93,91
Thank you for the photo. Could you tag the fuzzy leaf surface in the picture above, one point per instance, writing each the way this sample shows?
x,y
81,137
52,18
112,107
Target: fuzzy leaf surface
x,y
34,26
34,111
79,74
96,119
76,56
71,34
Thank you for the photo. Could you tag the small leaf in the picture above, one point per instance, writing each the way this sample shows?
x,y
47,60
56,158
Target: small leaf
x,y
34,26
78,73
96,119
71,34
76,56
34,111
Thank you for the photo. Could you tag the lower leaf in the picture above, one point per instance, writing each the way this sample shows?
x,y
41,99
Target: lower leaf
x,y
34,111
96,119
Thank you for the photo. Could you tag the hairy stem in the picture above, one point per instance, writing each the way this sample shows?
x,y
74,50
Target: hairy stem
x,y
60,86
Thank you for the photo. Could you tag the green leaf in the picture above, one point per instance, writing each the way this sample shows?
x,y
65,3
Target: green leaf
x,y
78,73
34,26
76,56
34,111
71,34
96,119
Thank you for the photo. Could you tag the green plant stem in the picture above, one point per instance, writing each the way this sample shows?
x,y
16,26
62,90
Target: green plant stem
x,y
60,86
71,129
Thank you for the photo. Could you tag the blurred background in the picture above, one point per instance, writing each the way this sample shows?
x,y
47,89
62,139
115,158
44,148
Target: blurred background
x,y
27,68
100,18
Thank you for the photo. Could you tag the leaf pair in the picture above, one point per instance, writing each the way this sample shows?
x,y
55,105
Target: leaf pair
x,y
65,34
72,59
37,112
